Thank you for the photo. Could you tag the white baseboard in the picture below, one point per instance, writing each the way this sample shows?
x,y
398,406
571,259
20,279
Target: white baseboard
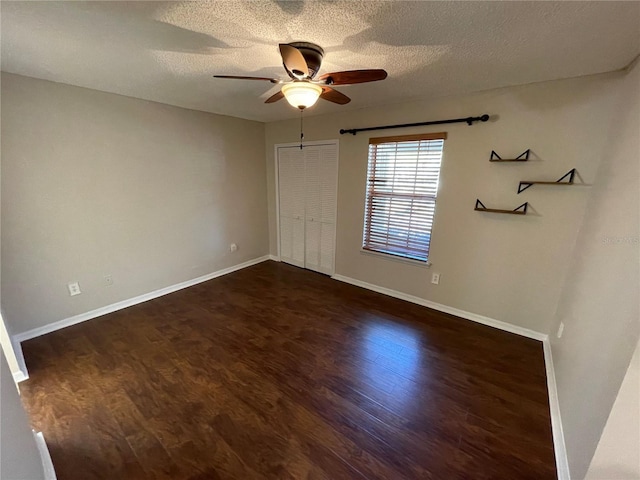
x,y
67,322
23,374
562,463
275,258
47,463
507,327
19,377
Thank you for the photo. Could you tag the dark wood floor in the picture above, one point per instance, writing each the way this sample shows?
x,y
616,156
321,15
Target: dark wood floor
x,y
277,372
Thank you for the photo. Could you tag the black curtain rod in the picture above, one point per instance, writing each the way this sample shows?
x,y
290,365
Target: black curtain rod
x,y
468,120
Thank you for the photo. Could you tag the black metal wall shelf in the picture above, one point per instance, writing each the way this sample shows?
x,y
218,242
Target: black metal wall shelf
x,y
523,157
527,183
521,210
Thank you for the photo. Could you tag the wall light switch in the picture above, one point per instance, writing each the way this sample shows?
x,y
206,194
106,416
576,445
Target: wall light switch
x,y
74,288
233,247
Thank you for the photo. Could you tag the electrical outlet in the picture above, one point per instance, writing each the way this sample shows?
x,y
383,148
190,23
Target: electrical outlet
x,y
233,247
108,280
560,329
74,289
435,278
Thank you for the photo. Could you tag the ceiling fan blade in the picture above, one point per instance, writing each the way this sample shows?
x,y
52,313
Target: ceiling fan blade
x,y
353,76
294,60
238,77
275,97
334,96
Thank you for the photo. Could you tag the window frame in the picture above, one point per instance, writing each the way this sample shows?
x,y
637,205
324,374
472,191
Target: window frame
x,y
370,195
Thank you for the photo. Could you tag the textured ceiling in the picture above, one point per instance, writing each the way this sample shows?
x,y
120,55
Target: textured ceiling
x,y
168,51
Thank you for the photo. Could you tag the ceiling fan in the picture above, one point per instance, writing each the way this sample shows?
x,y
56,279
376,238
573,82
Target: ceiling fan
x,y
302,61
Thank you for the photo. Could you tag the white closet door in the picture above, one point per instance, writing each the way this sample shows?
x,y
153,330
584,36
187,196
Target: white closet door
x,y
292,198
328,179
308,185
313,207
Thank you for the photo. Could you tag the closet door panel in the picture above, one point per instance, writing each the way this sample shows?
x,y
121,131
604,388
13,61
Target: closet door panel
x,y
327,249
286,237
328,179
313,207
312,193
307,182
291,199
297,257
312,245
298,187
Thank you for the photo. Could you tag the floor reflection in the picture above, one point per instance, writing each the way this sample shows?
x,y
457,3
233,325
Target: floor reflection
x,y
392,361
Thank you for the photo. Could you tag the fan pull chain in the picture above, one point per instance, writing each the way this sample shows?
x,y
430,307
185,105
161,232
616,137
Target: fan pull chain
x,y
301,131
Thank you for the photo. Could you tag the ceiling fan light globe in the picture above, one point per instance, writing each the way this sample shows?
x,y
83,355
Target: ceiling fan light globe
x,y
301,94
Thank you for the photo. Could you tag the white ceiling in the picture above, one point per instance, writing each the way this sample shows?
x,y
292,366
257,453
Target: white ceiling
x,y
168,51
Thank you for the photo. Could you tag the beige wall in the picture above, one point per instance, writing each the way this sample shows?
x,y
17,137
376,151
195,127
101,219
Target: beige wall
x,y
509,268
618,452
97,184
599,304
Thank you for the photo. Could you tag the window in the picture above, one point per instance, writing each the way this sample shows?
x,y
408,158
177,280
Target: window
x,y
402,185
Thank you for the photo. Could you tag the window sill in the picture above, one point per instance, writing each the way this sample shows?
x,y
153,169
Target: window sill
x,y
395,258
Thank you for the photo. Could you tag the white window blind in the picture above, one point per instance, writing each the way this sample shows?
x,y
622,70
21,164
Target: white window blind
x,y
402,185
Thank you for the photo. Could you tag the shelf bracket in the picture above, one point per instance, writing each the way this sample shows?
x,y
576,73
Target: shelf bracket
x,y
526,185
571,174
494,156
523,206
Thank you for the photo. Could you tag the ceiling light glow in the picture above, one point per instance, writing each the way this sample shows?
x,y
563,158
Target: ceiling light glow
x,y
301,94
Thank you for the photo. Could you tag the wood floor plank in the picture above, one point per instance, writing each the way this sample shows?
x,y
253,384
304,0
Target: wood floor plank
x,y
274,372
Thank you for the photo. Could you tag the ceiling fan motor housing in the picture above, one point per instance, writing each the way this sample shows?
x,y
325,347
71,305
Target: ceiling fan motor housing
x,y
312,54
302,62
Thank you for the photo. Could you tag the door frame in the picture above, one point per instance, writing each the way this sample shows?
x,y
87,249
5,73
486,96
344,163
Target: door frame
x,y
277,146
13,353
